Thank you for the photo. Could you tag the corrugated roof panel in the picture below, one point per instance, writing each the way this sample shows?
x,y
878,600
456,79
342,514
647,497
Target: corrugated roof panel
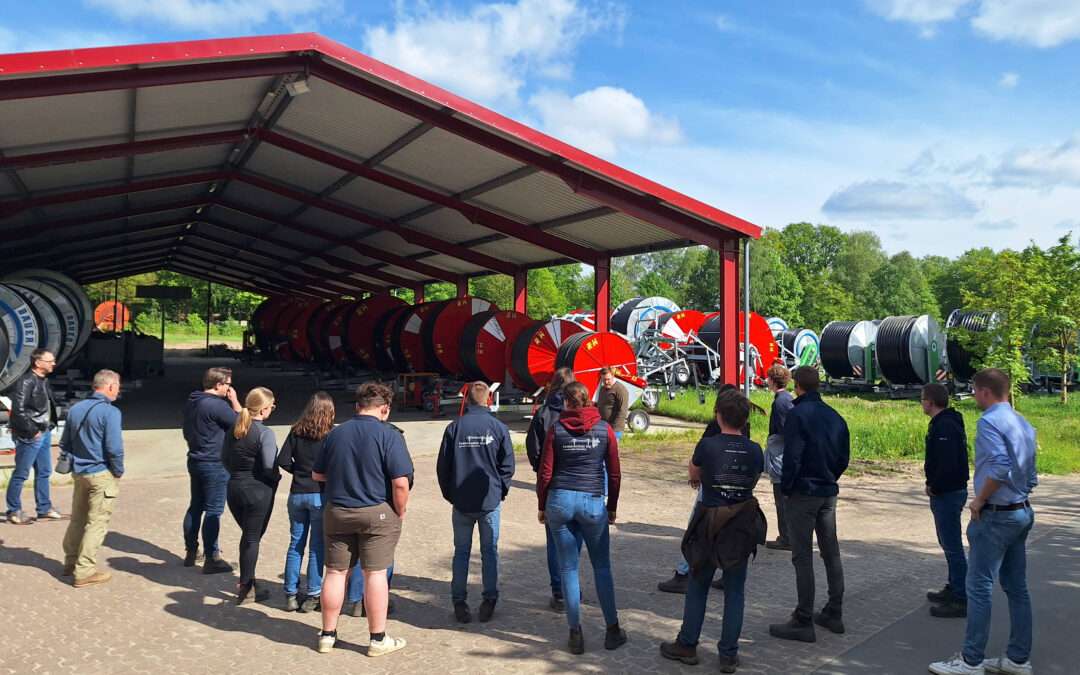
x,y
61,119
339,119
332,223
176,194
208,106
449,162
289,168
388,241
162,217
402,272
263,200
452,264
65,176
186,160
536,198
7,188
615,231
514,250
85,210
241,221
449,226
378,198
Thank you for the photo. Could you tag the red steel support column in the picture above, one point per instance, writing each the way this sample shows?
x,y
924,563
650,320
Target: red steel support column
x,y
729,311
601,279
418,294
462,286
521,291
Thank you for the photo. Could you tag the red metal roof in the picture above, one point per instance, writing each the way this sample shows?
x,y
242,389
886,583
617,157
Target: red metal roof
x,y
196,156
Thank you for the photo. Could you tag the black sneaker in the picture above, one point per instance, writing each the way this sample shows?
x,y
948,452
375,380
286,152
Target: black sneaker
x,y
677,651
462,613
795,629
310,604
615,637
952,609
718,583
556,603
576,643
944,595
292,604
829,619
215,565
487,609
778,545
728,664
190,556
676,584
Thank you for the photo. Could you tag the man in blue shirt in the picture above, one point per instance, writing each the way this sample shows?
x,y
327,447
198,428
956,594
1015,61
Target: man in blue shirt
x,y
366,469
1001,518
92,438
475,466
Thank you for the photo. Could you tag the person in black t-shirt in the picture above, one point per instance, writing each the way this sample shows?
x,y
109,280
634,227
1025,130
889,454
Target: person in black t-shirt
x,y
297,457
726,466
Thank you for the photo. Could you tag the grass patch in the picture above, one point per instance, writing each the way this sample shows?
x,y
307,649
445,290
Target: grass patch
x,y
884,429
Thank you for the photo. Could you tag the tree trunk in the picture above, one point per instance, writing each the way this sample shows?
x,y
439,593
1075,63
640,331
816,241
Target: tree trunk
x,y
1066,370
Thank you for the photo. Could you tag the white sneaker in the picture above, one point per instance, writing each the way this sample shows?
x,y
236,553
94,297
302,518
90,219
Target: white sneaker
x,y
385,646
1007,666
326,643
956,666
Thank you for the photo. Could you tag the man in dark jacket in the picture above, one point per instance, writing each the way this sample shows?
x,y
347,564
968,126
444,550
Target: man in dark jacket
x,y
725,530
946,468
32,419
208,415
778,379
475,466
816,453
613,401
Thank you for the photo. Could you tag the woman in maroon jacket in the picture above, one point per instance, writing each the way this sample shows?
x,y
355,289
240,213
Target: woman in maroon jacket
x,y
578,449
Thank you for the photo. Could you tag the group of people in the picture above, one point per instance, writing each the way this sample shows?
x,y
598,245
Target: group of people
x,y
351,485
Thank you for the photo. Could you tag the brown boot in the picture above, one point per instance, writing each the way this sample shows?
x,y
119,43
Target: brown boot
x,y
92,580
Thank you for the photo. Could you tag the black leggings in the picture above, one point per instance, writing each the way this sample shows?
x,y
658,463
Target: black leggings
x,y
251,503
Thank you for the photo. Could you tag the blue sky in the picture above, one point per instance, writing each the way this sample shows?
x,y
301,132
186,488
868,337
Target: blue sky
x,y
938,124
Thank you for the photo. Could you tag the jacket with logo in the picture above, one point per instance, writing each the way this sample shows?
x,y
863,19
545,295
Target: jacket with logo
x,y
476,461
578,449
32,410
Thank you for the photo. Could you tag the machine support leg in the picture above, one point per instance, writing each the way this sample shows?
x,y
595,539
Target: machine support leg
x,y
602,287
462,287
208,287
747,366
418,294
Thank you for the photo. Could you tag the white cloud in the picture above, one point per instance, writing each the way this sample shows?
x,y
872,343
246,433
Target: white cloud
x,y
488,52
1042,23
925,12
1041,167
1009,80
599,119
997,225
723,23
218,15
58,38
882,199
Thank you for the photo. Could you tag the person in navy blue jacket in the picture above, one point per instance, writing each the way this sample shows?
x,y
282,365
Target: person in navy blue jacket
x,y
475,466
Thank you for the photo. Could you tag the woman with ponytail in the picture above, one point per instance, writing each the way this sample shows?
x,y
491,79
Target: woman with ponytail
x,y
250,455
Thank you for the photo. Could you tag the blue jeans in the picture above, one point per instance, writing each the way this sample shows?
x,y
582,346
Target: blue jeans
x,y
553,557
697,593
305,523
947,508
209,481
356,581
998,542
489,552
35,454
589,513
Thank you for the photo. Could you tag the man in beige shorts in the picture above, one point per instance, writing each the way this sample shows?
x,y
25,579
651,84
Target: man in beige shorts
x,y
366,469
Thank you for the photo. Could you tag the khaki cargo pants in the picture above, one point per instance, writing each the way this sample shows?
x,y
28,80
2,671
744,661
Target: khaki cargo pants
x,y
91,509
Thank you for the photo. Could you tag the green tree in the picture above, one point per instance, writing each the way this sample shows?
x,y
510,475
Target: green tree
x,y
899,288
1055,342
855,266
498,288
828,301
811,249
775,290
546,299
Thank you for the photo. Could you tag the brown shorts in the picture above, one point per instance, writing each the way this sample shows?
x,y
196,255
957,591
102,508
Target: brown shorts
x,y
368,534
